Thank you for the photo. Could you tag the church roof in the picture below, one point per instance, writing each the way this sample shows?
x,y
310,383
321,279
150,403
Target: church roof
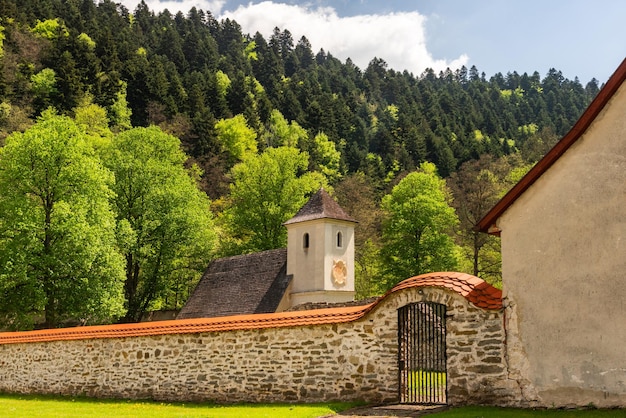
x,y
320,206
243,284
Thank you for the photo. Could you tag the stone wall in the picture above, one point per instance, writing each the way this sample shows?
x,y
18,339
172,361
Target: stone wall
x,y
318,362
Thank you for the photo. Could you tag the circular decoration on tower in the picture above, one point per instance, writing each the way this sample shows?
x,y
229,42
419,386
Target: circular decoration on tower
x,y
339,273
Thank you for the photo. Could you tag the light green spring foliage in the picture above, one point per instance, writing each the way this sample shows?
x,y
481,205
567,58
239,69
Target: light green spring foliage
x,y
250,52
43,83
236,137
2,38
166,227
324,156
119,113
393,111
267,190
327,158
86,41
515,175
50,29
94,121
417,225
281,132
58,255
223,83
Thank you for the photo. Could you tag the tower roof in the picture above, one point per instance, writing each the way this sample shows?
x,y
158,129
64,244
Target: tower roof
x,y
320,206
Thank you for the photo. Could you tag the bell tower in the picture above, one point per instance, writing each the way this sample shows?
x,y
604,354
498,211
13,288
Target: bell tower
x,y
320,252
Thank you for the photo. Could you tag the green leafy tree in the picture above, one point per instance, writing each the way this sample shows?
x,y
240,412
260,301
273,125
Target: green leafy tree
x,y
58,254
43,87
165,224
2,38
93,120
119,113
236,137
267,190
281,132
326,158
50,29
84,40
477,186
417,226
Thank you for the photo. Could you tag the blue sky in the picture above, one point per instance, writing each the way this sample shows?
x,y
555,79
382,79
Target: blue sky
x,y
583,39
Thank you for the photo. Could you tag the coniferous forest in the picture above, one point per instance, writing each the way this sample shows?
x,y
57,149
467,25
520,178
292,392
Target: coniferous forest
x,y
262,124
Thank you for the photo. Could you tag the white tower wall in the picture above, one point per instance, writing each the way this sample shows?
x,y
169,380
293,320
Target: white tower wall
x,y
323,272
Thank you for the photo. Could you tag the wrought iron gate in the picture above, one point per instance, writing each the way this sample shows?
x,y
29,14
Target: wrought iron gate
x,y
422,353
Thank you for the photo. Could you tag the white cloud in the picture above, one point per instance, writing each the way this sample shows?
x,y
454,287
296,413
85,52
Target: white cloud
x,y
398,38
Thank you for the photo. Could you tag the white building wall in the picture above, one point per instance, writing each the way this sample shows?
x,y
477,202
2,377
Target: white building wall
x,y
563,263
312,267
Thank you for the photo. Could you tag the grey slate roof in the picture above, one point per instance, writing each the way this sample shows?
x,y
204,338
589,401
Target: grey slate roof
x,y
320,206
243,284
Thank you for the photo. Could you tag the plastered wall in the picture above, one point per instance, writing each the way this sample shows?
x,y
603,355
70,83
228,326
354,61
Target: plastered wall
x,y
563,260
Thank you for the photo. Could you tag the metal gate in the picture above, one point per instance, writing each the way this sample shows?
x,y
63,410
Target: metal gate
x,y
422,353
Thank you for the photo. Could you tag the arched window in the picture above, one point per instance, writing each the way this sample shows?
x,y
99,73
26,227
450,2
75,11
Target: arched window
x,y
305,240
339,239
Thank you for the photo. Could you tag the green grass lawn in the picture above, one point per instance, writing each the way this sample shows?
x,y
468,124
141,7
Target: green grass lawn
x,y
19,406
422,385
65,407
492,412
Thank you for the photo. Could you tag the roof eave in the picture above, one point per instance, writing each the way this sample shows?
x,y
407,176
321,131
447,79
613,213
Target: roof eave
x,y
321,218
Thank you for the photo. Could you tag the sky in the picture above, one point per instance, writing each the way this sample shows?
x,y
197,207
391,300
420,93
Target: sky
x,y
581,38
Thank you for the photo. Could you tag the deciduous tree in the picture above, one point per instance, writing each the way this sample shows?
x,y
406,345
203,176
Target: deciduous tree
x,y
58,254
236,137
281,132
477,186
267,190
417,226
326,158
165,225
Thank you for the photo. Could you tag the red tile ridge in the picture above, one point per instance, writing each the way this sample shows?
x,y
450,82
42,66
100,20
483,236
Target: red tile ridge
x,y
195,325
472,288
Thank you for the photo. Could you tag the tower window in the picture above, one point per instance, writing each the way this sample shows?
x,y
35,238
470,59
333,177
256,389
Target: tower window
x,y
305,241
339,239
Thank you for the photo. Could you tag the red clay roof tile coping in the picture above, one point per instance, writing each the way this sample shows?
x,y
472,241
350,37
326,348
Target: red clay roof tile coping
x,y
487,223
475,290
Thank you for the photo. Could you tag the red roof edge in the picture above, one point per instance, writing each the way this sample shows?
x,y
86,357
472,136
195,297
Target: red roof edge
x,y
487,223
475,290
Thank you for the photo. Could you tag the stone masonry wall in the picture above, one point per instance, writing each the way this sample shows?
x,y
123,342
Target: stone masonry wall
x,y
343,361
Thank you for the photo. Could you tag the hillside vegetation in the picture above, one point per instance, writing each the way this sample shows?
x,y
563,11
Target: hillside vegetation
x,y
265,122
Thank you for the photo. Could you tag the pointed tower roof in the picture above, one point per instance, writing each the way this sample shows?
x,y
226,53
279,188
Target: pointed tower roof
x,y
320,206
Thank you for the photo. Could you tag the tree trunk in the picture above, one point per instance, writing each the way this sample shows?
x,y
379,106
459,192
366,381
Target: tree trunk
x,y
50,314
476,252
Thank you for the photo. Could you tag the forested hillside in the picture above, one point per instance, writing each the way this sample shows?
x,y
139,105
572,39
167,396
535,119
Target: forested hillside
x,y
242,105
